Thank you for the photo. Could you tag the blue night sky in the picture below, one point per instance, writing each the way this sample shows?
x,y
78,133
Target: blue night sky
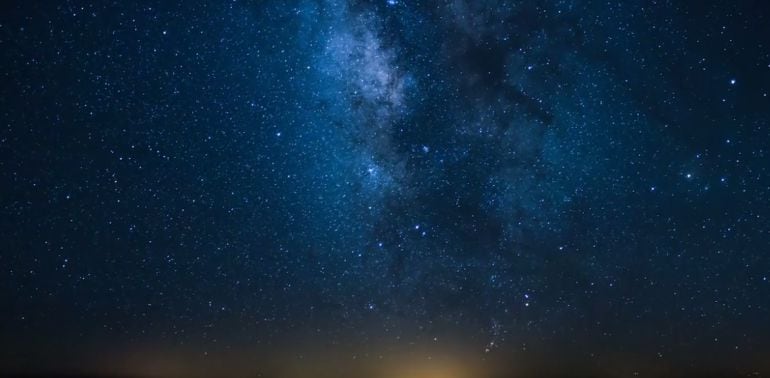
x,y
389,188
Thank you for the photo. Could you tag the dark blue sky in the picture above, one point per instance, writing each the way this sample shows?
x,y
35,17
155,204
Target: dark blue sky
x,y
244,187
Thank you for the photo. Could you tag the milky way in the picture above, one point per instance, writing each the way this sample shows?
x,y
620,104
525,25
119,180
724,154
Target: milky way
x,y
404,188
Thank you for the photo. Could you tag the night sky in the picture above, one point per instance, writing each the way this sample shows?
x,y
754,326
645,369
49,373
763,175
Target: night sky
x,y
385,188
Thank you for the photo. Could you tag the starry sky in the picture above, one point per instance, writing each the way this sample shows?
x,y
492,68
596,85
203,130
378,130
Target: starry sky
x,y
385,188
